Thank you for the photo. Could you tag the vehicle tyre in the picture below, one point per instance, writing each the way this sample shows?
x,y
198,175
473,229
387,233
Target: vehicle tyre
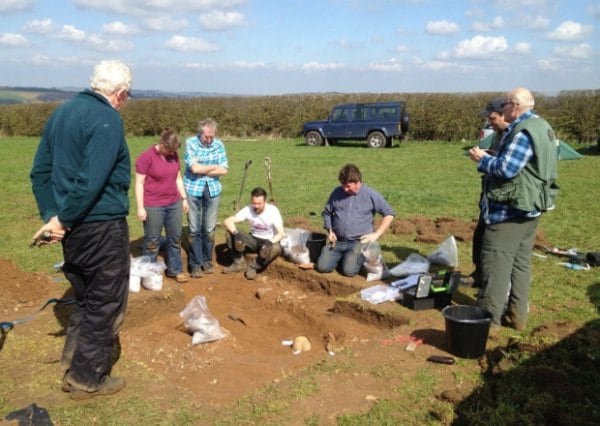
x,y
313,138
376,140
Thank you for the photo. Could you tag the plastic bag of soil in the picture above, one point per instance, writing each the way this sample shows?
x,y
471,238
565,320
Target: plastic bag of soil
x,y
413,264
200,322
446,254
294,245
149,274
373,263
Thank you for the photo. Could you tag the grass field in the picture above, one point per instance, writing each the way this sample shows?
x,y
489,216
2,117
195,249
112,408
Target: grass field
x,y
431,179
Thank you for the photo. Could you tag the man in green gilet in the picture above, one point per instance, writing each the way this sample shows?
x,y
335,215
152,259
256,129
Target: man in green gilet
x,y
519,185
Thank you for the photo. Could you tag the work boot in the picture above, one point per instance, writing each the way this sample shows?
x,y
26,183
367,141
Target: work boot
x,y
208,268
196,272
238,243
250,273
236,266
265,250
65,386
181,278
512,321
110,385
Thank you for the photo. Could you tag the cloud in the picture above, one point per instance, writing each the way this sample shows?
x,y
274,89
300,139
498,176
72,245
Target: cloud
x,y
570,30
15,6
549,64
481,47
120,28
99,43
249,65
190,44
200,66
316,66
220,20
497,23
437,66
157,7
522,48
344,44
537,23
441,27
594,10
12,40
40,26
69,32
165,24
391,65
581,51
401,48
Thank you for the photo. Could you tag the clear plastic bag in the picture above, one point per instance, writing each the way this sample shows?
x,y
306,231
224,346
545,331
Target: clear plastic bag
x,y
373,261
413,264
446,254
149,273
200,322
294,245
380,293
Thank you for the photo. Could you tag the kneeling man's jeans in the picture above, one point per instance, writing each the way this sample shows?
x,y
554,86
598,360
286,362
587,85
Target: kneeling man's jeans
x,y
345,252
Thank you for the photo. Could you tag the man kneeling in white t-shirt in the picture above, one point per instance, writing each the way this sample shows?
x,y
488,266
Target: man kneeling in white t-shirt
x,y
266,232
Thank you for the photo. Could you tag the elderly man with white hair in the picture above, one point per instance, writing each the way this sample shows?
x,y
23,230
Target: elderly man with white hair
x,y
519,185
80,177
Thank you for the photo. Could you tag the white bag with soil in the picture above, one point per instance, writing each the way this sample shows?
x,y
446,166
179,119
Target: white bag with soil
x,y
200,322
294,245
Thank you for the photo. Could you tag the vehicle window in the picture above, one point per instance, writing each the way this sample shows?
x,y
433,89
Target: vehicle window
x,y
389,113
374,113
339,114
345,114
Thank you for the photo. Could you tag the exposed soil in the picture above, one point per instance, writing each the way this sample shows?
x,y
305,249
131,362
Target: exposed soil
x,y
281,304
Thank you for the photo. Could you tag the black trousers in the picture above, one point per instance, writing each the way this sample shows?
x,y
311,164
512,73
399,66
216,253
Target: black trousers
x,y
96,263
253,245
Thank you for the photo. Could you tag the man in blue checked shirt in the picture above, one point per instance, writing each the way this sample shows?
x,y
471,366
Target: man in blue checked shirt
x,y
205,162
519,185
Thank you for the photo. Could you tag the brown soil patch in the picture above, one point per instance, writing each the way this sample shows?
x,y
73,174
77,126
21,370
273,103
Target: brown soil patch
x,y
281,304
437,230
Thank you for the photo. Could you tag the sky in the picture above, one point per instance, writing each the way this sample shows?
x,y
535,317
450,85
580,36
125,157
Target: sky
x,y
276,47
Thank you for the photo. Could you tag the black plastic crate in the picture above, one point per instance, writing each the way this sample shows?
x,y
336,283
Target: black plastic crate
x,y
433,301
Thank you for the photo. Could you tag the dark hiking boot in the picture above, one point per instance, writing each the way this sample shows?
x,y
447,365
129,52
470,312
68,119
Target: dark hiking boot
x,y
265,250
110,385
250,273
65,386
236,266
196,272
238,243
208,268
510,320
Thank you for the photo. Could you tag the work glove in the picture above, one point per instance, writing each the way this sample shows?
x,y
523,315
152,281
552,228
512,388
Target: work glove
x,y
238,243
265,250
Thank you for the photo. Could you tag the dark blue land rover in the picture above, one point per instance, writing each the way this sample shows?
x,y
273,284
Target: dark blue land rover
x,y
377,123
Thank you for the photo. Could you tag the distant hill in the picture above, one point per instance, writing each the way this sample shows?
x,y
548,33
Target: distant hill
x,y
22,95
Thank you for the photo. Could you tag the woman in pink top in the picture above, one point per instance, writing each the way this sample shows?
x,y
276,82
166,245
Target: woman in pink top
x,y
162,201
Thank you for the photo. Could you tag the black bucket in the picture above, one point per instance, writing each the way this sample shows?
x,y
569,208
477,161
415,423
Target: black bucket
x,y
315,244
467,329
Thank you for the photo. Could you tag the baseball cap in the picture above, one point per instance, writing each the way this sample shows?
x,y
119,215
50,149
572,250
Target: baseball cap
x,y
495,105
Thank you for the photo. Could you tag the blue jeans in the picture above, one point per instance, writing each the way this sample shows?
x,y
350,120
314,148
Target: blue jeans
x,y
346,252
202,220
171,218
